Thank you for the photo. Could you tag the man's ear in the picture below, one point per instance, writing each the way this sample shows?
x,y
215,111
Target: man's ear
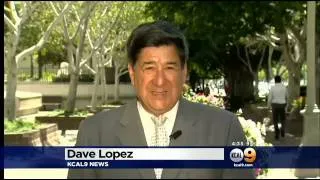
x,y
185,73
131,72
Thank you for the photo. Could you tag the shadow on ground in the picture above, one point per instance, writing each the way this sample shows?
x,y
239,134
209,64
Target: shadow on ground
x,y
294,124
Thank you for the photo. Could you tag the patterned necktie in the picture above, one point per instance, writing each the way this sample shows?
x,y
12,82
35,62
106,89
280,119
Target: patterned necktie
x,y
159,138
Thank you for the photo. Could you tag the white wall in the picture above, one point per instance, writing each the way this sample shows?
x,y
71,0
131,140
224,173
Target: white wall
x,y
83,93
61,89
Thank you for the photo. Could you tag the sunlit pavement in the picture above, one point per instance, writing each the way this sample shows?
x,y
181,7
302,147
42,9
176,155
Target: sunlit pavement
x,y
35,173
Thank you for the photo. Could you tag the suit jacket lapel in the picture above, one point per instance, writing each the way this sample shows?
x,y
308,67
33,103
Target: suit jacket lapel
x,y
183,122
131,133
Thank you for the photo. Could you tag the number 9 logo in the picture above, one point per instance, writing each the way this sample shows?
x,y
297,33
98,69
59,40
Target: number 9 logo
x,y
249,155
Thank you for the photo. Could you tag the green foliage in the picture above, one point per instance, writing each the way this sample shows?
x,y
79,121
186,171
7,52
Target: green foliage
x,y
262,75
76,113
48,77
32,30
213,28
299,103
19,125
282,71
210,28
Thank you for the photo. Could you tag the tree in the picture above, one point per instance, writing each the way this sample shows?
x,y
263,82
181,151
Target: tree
x,y
131,17
225,23
75,44
51,52
289,21
101,58
123,18
19,12
252,46
212,29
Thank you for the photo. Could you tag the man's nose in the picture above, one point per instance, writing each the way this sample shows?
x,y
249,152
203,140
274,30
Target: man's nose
x,y
159,77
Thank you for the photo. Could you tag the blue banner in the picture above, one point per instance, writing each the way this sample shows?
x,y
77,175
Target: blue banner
x,y
234,157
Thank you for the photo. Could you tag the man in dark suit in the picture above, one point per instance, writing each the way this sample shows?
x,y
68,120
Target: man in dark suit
x,y
157,54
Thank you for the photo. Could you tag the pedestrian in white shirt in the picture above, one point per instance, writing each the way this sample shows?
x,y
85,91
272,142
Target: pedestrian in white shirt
x,y
277,100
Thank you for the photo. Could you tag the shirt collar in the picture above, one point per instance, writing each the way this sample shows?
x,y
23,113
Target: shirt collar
x,y
170,114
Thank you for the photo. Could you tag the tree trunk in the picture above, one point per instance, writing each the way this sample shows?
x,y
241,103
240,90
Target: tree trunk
x,y
91,63
72,94
31,66
10,101
202,84
193,78
244,86
241,84
256,85
270,74
294,83
104,96
40,65
74,63
116,84
294,68
95,89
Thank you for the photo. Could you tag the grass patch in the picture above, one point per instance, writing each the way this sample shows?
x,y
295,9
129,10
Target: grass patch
x,y
19,126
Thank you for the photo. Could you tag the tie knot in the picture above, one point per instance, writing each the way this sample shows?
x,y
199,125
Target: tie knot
x,y
159,121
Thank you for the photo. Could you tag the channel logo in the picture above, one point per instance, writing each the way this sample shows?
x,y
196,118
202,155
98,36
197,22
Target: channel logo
x,y
249,155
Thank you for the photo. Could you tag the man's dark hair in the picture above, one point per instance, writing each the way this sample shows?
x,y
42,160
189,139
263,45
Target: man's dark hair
x,y
277,79
156,34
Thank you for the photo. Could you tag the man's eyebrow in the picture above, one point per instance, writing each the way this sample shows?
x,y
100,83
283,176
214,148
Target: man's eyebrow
x,y
148,62
172,63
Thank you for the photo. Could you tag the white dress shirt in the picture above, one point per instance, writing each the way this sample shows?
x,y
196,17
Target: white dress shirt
x,y
148,125
278,94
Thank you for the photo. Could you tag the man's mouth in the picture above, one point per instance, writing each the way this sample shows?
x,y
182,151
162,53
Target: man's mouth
x,y
158,93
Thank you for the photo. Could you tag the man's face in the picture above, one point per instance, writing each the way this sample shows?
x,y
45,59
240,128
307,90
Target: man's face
x,y
158,78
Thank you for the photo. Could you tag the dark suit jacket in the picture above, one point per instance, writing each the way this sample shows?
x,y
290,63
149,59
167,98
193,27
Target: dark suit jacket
x,y
200,125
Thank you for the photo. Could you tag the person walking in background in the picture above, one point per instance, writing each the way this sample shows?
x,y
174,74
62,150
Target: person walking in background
x,y
277,100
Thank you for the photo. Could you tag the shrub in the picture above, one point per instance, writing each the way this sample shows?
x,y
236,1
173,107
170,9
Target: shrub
x,y
86,78
48,77
23,76
210,100
19,125
62,78
299,103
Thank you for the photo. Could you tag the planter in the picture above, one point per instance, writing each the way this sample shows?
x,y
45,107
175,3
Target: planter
x,y
46,135
27,103
103,108
63,123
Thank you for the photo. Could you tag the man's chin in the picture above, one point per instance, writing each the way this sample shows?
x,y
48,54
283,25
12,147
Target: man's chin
x,y
161,108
